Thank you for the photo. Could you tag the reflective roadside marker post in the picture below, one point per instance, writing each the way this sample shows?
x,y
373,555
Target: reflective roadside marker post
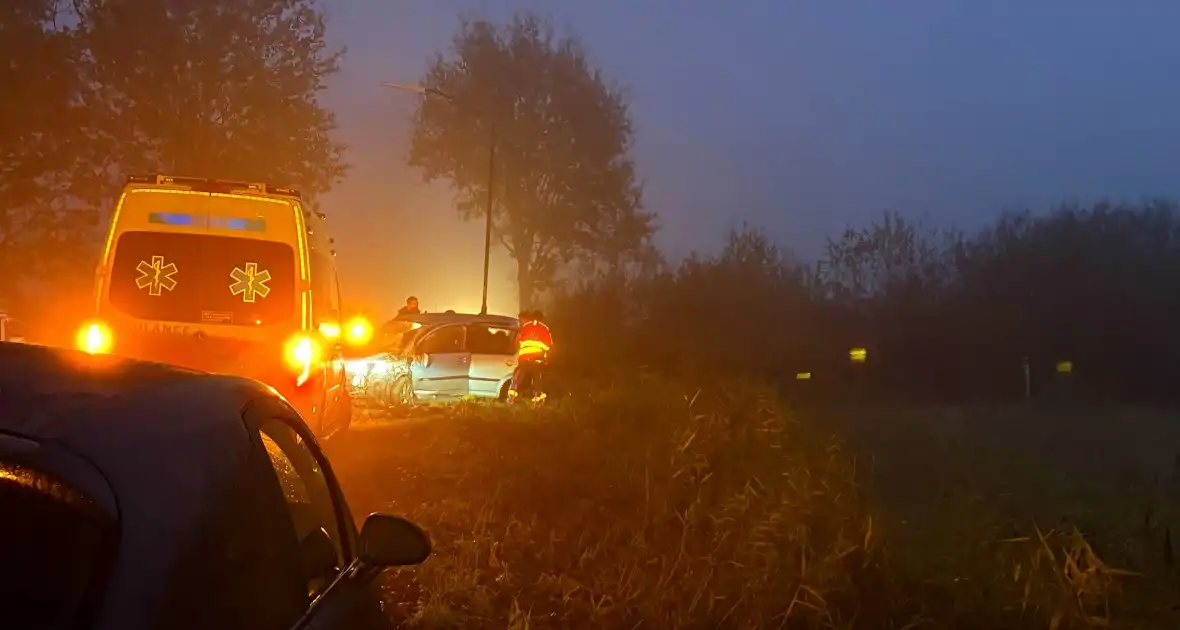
x,y
803,388
1065,373
858,376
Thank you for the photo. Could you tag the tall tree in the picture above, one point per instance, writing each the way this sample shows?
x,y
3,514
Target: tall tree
x,y
42,131
565,184
217,88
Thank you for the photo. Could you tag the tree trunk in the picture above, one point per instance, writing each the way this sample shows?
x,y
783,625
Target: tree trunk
x,y
524,282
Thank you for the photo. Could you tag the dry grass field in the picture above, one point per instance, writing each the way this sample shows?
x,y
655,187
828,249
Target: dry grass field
x,y
963,493
654,505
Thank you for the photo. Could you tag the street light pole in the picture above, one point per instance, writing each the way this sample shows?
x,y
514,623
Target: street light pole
x,y
487,233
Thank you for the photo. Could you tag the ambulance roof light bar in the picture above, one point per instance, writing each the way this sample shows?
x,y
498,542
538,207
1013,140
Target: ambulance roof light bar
x,y
212,185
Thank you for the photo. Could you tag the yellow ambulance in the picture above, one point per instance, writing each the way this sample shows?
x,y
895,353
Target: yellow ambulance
x,y
227,277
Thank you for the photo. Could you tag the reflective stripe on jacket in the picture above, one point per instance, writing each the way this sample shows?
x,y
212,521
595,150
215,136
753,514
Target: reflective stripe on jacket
x,y
534,339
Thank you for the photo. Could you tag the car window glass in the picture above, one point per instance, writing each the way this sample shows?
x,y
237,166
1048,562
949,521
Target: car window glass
x,y
303,484
484,339
56,546
293,489
204,278
246,547
443,340
395,336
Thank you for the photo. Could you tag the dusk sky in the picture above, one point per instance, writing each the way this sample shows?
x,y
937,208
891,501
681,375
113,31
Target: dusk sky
x,y
799,117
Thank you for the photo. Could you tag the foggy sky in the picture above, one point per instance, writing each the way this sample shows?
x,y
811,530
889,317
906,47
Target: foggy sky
x,y
800,117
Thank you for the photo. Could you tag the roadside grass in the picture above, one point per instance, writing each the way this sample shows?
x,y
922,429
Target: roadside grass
x,y
1075,508
649,505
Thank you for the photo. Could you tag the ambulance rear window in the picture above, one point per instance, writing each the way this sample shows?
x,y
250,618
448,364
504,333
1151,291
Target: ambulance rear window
x,y
203,278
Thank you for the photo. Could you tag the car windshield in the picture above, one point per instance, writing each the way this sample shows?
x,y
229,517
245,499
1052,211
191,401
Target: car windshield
x,y
396,336
54,555
203,278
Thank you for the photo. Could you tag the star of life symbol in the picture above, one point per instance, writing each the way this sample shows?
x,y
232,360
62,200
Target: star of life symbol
x,y
156,276
249,282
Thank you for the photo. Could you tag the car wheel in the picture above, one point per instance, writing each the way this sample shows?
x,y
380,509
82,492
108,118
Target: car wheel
x,y
378,393
401,393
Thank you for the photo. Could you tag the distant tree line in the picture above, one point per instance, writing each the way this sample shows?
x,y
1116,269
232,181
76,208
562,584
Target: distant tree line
x,y
93,89
941,315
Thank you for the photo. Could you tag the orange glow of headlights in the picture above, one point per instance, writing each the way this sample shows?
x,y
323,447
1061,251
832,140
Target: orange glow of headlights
x,y
360,331
302,354
330,330
95,338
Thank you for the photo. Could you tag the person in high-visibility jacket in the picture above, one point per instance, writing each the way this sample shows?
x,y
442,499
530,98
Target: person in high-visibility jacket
x,y
534,343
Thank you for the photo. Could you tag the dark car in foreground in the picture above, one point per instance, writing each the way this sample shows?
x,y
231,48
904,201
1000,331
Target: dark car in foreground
x,y
135,495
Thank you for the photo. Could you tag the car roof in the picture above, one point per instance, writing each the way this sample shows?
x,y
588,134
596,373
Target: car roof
x,y
167,440
431,319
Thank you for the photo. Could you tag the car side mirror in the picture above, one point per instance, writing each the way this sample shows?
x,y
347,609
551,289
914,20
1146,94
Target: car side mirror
x,y
392,541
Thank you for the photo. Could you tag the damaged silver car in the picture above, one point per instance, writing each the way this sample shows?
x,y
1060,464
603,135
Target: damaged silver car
x,y
437,356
